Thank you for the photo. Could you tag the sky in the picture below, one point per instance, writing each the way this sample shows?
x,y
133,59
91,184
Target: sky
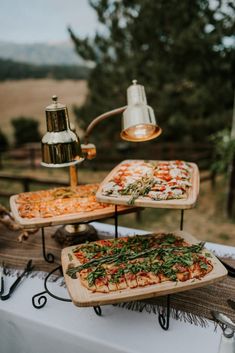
x,y
39,21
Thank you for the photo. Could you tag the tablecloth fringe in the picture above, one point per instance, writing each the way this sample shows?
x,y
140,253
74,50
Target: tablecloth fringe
x,y
37,274
174,313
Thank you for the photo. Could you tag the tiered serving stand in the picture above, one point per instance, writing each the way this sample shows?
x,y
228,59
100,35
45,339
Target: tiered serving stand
x,y
82,297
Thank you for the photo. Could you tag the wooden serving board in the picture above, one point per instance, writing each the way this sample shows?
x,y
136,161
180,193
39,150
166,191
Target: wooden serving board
x,y
102,213
188,202
82,297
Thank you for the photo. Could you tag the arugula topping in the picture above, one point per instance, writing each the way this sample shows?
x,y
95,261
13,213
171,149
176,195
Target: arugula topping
x,y
72,271
203,265
99,272
138,188
170,256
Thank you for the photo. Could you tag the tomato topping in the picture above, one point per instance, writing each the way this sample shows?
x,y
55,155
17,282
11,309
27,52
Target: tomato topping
x,y
105,242
167,177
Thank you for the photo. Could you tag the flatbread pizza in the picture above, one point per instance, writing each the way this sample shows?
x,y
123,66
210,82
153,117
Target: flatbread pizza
x,y
139,261
149,180
58,201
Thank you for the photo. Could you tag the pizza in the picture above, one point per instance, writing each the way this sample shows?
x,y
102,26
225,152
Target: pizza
x,y
153,180
58,201
138,261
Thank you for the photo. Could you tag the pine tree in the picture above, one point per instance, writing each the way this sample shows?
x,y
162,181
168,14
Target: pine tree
x,y
176,49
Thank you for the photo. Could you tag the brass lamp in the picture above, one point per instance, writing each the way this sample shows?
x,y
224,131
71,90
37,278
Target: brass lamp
x,y
60,145
138,121
61,148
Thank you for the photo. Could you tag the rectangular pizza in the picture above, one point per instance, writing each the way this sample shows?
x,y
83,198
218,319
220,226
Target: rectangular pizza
x,y
152,184
139,266
61,205
58,201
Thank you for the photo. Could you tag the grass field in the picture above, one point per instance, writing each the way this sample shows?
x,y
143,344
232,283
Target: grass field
x,y
30,97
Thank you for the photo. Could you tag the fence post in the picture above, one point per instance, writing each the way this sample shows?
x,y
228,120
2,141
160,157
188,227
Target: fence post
x,y
32,158
25,183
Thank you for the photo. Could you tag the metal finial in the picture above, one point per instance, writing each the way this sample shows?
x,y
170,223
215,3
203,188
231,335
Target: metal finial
x,y
54,98
134,82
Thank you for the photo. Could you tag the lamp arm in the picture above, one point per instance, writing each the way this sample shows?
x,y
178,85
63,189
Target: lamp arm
x,y
100,118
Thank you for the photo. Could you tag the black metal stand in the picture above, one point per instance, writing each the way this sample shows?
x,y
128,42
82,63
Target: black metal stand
x,y
39,300
116,222
98,310
164,316
47,257
182,220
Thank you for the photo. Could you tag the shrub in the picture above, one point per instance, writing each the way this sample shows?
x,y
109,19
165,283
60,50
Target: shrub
x,y
26,130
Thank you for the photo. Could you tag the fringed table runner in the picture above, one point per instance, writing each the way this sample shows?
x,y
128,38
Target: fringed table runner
x,y
193,305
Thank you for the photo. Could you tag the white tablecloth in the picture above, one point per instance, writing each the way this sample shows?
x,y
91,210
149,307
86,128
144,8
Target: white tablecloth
x,y
62,327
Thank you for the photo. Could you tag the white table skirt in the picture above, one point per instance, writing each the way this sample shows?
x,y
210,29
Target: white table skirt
x,y
61,327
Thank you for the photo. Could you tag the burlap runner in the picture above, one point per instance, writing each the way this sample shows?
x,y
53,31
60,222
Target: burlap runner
x,y
16,255
194,305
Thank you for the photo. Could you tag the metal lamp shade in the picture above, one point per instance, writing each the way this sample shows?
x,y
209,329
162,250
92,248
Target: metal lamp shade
x,y
60,145
138,123
60,149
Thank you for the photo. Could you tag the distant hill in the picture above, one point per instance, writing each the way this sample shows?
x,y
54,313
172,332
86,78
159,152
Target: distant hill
x,y
41,53
12,70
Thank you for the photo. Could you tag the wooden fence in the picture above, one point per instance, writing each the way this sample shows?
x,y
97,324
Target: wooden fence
x,y
110,154
107,157
29,156
26,183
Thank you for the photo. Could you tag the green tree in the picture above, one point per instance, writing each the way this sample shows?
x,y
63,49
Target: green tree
x,y
176,49
13,70
26,130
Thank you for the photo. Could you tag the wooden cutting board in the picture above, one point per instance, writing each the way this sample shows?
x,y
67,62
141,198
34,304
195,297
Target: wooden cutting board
x,y
188,202
82,297
76,217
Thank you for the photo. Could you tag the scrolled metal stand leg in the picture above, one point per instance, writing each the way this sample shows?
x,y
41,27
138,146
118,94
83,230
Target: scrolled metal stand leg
x,y
116,222
164,316
47,257
97,310
59,268
39,300
182,220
